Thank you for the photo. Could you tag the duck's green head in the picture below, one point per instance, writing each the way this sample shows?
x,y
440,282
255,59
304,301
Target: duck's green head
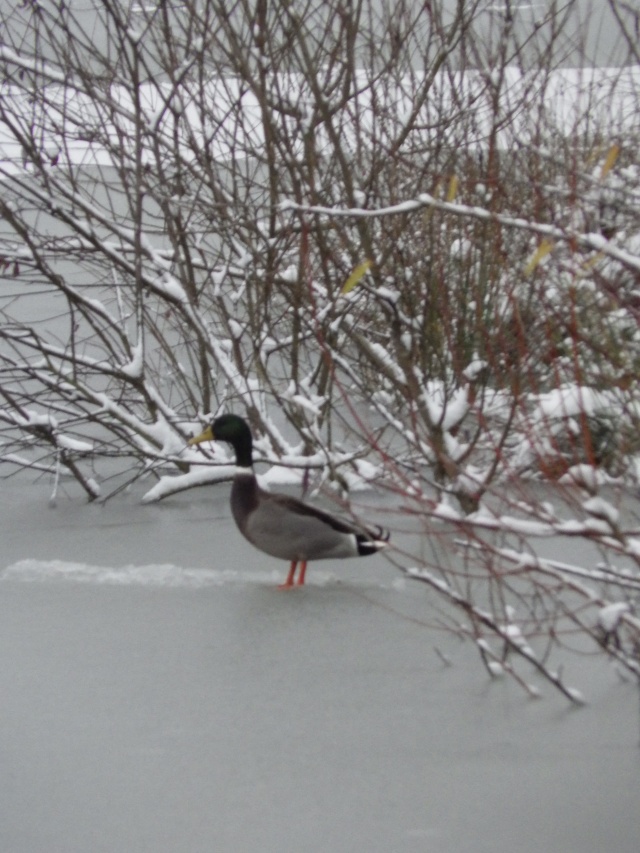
x,y
234,430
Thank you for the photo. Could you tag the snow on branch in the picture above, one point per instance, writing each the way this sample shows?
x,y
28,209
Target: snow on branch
x,y
595,242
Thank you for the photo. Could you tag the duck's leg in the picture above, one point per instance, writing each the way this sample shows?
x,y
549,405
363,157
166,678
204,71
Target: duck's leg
x,y
292,572
303,571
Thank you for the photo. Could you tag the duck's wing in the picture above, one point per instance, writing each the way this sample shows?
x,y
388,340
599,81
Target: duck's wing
x,y
341,525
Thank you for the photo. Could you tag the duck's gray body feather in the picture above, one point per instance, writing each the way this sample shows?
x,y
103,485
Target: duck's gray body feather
x,y
289,529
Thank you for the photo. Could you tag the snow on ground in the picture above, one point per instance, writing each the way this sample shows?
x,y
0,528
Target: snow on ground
x,y
574,98
159,694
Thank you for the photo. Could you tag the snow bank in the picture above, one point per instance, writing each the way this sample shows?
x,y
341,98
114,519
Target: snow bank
x,y
168,575
153,575
571,100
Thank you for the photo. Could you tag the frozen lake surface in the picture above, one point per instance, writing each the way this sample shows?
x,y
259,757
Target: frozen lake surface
x,y
159,694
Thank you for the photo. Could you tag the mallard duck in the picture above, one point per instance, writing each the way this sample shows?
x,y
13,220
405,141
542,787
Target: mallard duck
x,y
280,525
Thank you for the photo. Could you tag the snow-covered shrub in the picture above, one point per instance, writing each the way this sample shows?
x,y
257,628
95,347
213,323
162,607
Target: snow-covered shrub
x,y
187,191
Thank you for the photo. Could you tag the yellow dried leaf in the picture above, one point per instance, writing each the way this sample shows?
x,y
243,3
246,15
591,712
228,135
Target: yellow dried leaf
x,y
610,161
592,261
358,273
541,252
453,188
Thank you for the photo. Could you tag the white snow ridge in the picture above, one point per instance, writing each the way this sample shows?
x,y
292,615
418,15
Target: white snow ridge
x,y
152,575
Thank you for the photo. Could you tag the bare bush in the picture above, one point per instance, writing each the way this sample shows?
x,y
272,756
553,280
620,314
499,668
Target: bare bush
x,y
187,193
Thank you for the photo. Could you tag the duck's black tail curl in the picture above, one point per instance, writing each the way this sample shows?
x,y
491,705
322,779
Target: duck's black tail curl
x,y
372,541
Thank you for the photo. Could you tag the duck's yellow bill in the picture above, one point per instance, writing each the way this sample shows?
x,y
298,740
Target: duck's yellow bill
x,y
207,435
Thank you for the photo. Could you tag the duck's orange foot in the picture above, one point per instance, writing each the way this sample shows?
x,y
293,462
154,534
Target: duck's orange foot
x,y
290,581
